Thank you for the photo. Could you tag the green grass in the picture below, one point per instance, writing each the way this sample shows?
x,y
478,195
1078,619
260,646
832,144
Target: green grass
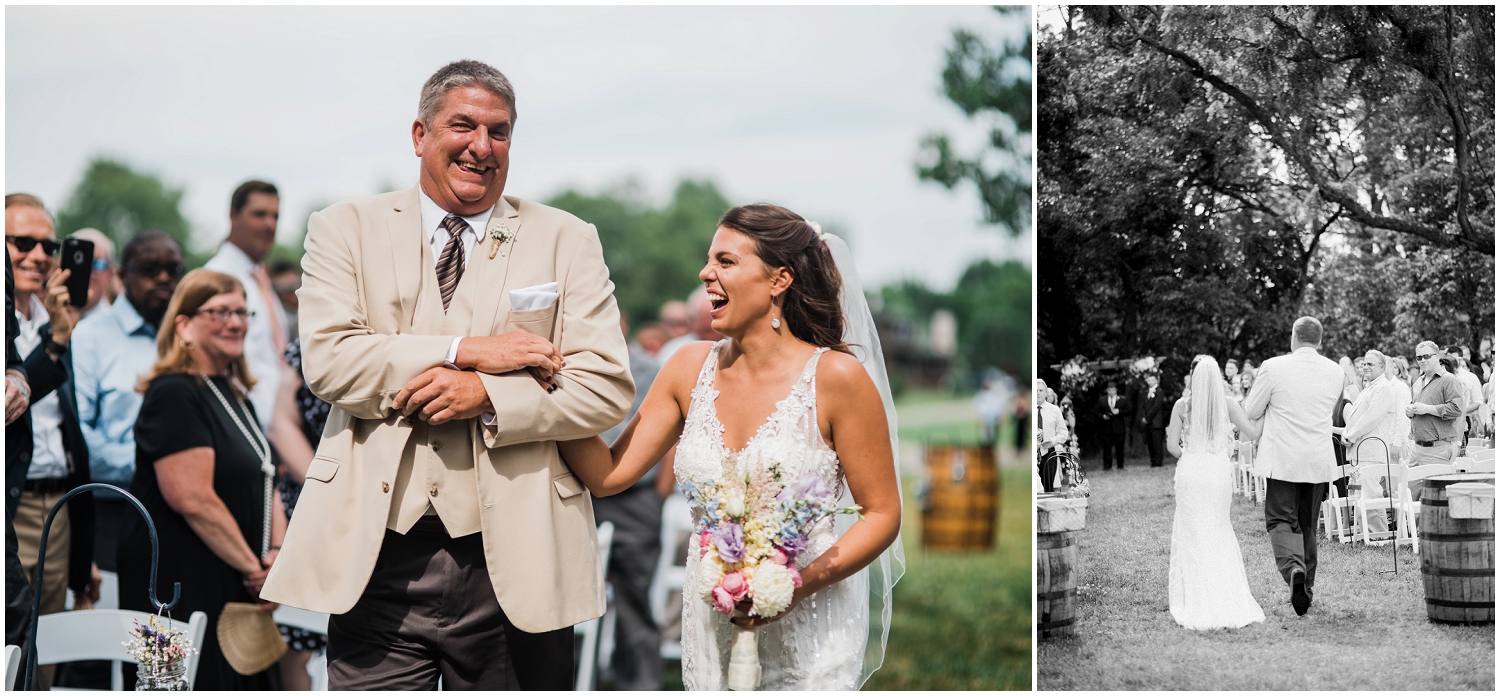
x,y
1367,629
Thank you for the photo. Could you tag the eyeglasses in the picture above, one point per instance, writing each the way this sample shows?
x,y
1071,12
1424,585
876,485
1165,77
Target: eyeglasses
x,y
152,270
24,245
101,265
1425,356
221,315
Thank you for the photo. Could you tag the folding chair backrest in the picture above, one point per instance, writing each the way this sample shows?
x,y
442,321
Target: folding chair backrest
x,y
1417,475
100,634
12,666
1372,479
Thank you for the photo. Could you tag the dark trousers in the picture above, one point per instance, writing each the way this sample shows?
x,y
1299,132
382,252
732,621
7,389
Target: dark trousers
x,y
1047,470
636,514
111,513
429,610
1292,520
1116,442
1156,444
17,605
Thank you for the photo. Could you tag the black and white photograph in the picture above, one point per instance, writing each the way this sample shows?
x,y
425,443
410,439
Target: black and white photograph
x,y
1265,428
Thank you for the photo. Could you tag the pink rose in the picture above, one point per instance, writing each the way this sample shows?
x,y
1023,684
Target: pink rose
x,y
705,542
796,576
778,557
723,601
736,585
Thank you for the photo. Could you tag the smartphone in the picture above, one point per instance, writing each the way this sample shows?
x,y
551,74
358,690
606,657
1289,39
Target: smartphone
x,y
78,257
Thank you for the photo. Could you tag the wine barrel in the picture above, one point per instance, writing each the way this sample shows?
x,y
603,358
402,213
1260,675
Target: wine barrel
x,y
1056,583
1458,556
962,498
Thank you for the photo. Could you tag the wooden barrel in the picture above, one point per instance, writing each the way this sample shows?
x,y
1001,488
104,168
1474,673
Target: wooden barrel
x,y
963,498
1056,583
1458,556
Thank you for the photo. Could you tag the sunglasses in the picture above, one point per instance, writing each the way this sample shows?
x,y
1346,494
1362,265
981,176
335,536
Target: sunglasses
x,y
152,270
24,245
1425,356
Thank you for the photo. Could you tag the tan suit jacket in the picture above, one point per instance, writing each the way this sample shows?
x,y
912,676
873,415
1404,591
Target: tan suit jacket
x,y
371,319
1295,393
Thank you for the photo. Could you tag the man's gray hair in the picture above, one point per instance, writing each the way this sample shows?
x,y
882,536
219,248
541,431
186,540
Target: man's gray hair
x,y
463,73
1308,330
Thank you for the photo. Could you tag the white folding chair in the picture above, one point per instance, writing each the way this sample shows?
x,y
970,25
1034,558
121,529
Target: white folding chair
x,y
1415,476
588,660
1391,480
12,665
315,622
1483,461
671,566
100,634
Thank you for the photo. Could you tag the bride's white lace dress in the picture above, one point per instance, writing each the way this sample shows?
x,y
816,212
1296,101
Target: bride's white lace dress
x,y
820,644
1207,583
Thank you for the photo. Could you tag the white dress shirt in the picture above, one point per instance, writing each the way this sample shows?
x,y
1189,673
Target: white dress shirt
x,y
433,216
262,354
1376,413
48,460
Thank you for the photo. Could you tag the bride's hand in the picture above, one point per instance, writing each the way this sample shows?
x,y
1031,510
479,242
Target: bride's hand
x,y
743,619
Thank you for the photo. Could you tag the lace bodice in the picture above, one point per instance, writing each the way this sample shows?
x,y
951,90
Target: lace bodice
x,y
819,644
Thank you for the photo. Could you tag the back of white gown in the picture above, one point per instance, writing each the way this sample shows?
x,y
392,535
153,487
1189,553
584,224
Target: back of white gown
x,y
1207,583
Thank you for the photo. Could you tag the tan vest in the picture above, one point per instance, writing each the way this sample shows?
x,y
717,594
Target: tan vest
x,y
436,474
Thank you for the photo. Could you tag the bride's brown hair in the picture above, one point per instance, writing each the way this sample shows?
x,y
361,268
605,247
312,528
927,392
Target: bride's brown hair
x,y
810,306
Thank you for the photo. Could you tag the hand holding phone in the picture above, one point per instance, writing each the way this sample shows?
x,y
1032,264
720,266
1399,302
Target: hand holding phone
x,y
78,258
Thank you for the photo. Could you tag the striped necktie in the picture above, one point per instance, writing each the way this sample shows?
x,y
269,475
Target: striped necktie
x,y
450,266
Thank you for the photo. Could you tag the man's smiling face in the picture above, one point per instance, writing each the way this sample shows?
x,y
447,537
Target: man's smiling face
x,y
465,150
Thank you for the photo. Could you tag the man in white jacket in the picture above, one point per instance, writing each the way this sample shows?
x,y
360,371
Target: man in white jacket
x,y
1295,393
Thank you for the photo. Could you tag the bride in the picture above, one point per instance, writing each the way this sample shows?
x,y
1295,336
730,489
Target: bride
x,y
1207,587
785,387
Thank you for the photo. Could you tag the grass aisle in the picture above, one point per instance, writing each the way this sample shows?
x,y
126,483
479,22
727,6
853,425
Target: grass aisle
x,y
1366,629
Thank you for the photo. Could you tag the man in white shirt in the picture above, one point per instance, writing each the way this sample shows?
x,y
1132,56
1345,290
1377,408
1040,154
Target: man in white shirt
x,y
1468,423
1376,413
253,211
1051,435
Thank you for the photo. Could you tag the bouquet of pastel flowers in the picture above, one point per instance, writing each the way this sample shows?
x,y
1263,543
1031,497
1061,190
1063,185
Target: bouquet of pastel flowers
x,y
161,655
751,532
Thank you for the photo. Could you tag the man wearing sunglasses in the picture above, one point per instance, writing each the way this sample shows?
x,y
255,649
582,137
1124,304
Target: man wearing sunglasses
x,y
59,459
1437,402
111,350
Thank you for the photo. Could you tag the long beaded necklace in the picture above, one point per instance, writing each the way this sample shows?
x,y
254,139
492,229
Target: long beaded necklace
x,y
262,450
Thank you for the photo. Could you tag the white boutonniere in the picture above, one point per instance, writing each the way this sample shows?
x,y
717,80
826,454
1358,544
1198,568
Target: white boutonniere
x,y
499,235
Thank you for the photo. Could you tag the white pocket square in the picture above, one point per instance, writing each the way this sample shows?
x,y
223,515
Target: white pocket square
x,y
534,297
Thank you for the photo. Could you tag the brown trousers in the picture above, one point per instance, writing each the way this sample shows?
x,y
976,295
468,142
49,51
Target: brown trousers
x,y
54,587
429,610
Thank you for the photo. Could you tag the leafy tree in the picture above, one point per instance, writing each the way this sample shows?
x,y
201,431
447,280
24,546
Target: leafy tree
x,y
653,254
119,202
993,84
992,305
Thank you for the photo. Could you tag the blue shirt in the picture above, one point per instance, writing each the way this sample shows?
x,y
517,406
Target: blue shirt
x,y
111,351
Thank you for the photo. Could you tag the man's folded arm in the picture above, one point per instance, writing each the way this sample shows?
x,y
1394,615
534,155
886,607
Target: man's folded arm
x,y
595,386
344,361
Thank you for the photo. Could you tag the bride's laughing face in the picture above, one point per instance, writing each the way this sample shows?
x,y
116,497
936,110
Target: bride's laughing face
x,y
740,286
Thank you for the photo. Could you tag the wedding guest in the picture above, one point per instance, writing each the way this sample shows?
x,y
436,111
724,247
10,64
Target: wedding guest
x,y
1376,413
1352,381
1114,422
1348,393
674,319
1247,379
102,279
1070,416
1153,414
1231,380
649,340
1396,371
17,459
286,278
253,212
1486,359
59,456
1437,404
1051,436
1473,397
203,472
699,314
111,351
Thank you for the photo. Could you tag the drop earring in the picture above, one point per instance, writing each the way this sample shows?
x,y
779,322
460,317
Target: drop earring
x,y
775,323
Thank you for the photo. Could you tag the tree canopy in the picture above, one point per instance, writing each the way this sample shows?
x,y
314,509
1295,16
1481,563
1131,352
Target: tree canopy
x,y
120,202
993,84
1209,173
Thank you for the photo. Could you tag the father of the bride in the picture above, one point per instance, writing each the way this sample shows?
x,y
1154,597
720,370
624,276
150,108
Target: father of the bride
x,y
458,334
1295,393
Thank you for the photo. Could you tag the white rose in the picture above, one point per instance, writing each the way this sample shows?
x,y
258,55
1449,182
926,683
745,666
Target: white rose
x,y
735,505
709,573
771,589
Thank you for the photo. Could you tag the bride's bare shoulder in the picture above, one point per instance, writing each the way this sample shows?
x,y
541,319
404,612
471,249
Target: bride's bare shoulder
x,y
841,370
685,364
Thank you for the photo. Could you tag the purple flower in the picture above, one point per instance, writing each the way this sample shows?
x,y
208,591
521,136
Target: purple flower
x,y
808,485
730,540
793,545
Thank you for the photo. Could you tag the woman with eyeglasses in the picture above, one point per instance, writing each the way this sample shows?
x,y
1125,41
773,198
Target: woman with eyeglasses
x,y
204,472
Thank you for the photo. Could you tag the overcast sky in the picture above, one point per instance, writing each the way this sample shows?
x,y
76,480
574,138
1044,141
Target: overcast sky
x,y
818,109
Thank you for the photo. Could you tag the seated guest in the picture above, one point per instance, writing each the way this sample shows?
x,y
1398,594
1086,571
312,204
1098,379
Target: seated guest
x,y
112,349
203,471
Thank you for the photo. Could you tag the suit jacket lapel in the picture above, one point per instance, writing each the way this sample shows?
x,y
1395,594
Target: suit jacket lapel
x,y
492,271
404,229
